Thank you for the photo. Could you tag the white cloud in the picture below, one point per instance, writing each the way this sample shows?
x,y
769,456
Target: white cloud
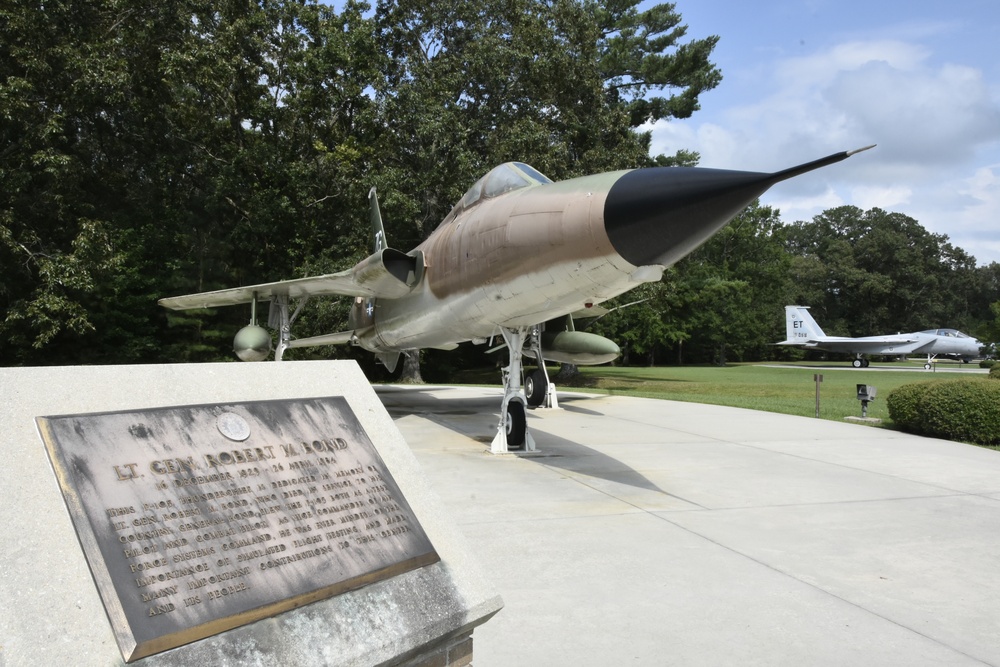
x,y
935,124
983,212
819,69
929,115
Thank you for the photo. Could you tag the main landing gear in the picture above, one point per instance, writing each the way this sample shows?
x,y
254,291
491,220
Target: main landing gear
x,y
860,363
536,384
278,318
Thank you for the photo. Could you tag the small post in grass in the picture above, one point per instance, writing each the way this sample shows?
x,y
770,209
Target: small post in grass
x,y
817,377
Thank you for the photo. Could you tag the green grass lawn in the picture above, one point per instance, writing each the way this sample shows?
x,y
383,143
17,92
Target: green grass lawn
x,y
757,387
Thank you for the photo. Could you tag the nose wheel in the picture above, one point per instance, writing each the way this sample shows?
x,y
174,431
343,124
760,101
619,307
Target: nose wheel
x,y
512,431
515,425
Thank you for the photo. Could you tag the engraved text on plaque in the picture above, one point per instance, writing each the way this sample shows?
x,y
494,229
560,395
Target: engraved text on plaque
x,y
197,519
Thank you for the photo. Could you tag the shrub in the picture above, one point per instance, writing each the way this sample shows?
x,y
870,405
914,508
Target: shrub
x,y
987,363
966,410
904,404
995,372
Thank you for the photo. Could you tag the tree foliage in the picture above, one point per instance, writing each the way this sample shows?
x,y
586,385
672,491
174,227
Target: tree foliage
x,y
162,148
862,273
883,271
151,149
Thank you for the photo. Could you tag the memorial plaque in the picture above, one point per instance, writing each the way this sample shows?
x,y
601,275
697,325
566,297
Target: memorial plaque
x,y
198,519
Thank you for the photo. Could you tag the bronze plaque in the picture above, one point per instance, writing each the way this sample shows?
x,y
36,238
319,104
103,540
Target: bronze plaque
x,y
198,519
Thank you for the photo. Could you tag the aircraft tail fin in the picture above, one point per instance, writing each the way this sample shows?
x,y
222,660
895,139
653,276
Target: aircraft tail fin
x,y
378,231
800,327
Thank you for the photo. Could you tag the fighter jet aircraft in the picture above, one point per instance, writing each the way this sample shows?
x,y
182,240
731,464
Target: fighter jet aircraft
x,y
801,330
519,257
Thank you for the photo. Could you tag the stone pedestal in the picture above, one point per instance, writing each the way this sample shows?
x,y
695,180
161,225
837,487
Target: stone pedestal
x,y
53,613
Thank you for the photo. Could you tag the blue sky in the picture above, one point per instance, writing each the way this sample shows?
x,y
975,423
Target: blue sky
x,y
806,78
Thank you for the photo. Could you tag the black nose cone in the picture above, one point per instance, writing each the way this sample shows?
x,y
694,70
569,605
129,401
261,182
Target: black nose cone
x,y
659,215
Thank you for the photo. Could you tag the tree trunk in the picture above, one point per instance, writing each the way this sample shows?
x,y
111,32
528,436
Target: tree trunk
x,y
566,372
411,368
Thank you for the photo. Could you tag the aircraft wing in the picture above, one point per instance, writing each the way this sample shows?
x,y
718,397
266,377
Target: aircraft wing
x,y
871,344
331,284
888,340
388,274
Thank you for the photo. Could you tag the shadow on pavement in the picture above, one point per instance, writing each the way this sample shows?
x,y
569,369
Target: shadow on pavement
x,y
476,417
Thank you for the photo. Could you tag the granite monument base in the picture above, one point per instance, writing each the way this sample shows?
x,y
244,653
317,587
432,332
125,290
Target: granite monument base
x,y
53,608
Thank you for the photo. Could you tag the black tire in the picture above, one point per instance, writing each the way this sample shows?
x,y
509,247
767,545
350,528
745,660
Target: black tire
x,y
865,363
535,387
857,363
516,425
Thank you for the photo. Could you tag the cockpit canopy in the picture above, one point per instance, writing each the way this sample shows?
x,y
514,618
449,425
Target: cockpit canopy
x,y
949,333
500,180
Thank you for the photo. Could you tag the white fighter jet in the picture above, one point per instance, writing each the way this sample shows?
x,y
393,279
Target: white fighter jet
x,y
801,330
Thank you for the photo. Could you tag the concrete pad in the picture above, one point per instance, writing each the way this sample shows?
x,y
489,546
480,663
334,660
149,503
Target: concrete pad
x,y
657,532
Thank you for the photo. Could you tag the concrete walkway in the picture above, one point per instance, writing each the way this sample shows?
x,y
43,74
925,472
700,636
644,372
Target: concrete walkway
x,y
663,533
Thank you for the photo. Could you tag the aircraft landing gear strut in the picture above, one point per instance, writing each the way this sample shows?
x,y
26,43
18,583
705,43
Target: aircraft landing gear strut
x,y
512,431
538,388
278,318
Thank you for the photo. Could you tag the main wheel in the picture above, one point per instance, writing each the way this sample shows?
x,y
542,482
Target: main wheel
x,y
535,387
516,425
864,363
857,363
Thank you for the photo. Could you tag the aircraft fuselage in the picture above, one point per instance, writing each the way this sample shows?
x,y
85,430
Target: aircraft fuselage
x,y
526,257
923,342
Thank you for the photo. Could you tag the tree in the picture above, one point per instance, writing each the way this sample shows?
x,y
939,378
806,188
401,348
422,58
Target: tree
x,y
737,285
560,85
644,321
153,148
867,272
